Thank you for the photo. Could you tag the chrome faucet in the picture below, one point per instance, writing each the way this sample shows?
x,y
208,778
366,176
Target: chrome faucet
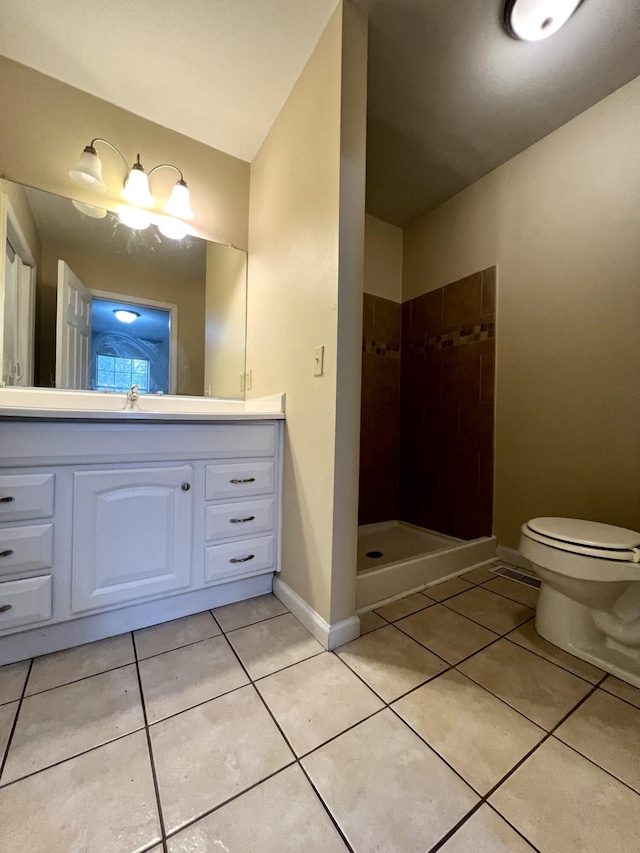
x,y
132,398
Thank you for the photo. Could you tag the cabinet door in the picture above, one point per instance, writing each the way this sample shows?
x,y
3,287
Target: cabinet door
x,y
131,534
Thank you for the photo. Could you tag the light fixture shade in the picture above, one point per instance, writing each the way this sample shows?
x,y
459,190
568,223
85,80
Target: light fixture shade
x,y
136,190
175,229
88,171
126,316
134,218
179,204
89,209
534,20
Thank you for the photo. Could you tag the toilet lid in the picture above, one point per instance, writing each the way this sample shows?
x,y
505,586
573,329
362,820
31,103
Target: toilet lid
x,y
591,534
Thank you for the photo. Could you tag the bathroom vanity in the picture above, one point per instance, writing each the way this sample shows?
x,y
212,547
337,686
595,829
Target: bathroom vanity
x,y
113,520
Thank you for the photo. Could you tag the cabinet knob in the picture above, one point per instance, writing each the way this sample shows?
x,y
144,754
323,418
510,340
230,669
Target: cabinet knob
x,y
7,500
6,553
5,607
185,487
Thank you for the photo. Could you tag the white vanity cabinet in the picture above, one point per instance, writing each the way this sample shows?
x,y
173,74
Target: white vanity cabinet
x,y
109,527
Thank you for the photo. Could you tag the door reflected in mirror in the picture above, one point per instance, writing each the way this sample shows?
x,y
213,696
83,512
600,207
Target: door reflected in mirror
x,y
66,274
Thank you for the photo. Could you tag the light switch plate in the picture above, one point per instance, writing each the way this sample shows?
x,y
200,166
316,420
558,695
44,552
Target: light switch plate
x,y
318,361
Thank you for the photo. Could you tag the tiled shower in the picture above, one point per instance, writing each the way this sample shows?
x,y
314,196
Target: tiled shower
x,y
428,368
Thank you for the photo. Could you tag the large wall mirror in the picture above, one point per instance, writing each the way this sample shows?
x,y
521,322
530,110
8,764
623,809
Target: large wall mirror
x,y
88,303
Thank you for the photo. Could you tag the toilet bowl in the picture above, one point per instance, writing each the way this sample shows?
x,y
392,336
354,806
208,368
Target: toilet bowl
x,y
589,601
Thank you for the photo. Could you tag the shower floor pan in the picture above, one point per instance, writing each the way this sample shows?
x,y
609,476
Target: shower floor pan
x,y
410,559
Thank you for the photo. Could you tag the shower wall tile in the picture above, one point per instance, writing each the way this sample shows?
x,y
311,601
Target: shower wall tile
x,y
446,407
380,413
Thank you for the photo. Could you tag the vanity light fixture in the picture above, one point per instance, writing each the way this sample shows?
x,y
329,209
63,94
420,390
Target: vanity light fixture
x,y
534,20
126,316
88,173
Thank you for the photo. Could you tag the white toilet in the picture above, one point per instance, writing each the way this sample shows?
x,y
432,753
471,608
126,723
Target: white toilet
x,y
589,601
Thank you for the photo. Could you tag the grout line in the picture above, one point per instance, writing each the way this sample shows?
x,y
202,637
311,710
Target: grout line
x,y
615,695
542,657
249,624
77,680
152,763
15,721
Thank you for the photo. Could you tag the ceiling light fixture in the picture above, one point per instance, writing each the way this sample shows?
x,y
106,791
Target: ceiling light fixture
x,y
126,316
88,173
534,20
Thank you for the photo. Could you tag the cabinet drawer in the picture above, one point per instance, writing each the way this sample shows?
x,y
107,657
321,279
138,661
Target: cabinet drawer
x,y
25,496
238,558
24,602
240,479
26,548
243,518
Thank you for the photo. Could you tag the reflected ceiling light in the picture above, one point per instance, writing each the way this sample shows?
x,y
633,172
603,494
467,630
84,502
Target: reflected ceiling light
x,y
89,209
126,316
134,217
175,229
88,173
533,20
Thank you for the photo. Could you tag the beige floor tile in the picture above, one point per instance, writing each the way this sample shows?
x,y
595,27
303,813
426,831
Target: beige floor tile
x,y
526,595
486,832
70,719
208,754
7,716
103,800
495,612
607,730
537,688
449,635
620,688
80,662
174,634
448,588
376,775
562,802
404,607
269,646
281,815
527,637
390,662
179,679
317,699
478,575
242,613
477,734
12,679
370,621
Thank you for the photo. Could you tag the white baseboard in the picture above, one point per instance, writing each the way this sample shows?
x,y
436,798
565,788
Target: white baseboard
x,y
329,636
510,555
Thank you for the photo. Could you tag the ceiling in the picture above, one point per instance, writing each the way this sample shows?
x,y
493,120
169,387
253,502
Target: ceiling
x,y
451,96
152,325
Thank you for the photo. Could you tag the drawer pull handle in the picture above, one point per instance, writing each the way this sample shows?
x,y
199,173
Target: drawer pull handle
x,y
248,480
7,500
5,607
6,553
242,520
242,559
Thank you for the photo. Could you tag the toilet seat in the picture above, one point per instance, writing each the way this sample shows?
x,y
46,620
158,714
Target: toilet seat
x,y
589,538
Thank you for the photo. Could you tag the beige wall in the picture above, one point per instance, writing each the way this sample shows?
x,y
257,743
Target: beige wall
x,y
306,244
115,276
51,122
225,321
562,221
382,259
20,204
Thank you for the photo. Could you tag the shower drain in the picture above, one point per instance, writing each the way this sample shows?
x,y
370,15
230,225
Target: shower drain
x,y
374,554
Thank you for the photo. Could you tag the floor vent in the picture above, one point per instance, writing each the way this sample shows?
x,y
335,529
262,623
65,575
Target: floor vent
x,y
516,575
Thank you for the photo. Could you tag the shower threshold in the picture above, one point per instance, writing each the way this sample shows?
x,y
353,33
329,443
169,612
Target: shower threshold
x,y
395,558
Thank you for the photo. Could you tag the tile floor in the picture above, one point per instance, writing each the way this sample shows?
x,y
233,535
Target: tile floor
x,y
449,725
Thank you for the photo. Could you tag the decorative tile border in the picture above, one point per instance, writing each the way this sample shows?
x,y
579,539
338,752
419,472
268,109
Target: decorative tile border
x,y
484,331
378,348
